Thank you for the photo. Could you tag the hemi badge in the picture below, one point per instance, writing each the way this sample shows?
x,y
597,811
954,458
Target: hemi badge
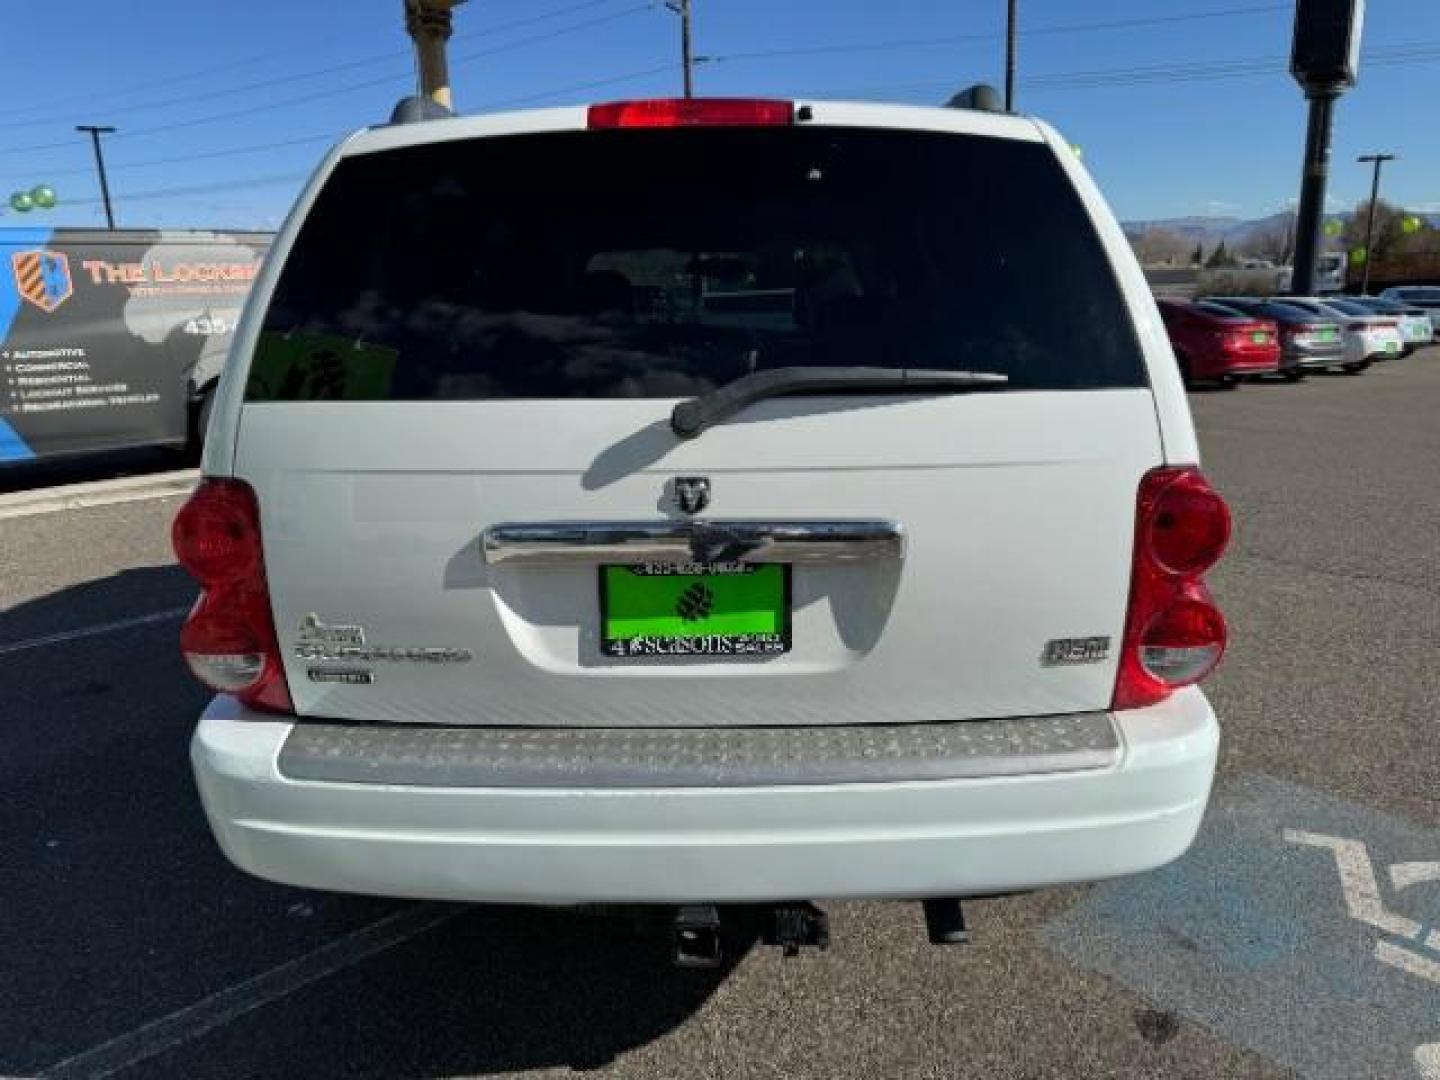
x,y
1077,650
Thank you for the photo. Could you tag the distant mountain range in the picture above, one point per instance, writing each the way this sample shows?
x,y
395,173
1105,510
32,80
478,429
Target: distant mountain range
x,y
1209,231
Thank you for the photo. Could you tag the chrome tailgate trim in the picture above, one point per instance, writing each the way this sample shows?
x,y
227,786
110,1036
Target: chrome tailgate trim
x,y
695,757
565,542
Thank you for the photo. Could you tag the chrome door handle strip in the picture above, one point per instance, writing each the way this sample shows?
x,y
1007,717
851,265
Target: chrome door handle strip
x,y
562,542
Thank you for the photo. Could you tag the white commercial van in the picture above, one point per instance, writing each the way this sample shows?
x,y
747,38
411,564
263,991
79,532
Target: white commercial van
x,y
534,570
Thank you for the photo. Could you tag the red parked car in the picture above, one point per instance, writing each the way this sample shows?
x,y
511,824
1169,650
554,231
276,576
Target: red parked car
x,y
1210,344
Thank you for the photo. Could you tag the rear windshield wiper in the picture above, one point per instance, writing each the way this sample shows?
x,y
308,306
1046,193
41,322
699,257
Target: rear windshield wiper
x,y
692,417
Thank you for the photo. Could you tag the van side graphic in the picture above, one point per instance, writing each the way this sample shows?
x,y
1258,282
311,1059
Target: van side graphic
x,y
42,278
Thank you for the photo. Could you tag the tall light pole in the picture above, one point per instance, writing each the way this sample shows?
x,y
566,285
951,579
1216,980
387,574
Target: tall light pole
x,y
1378,160
428,24
1324,59
1010,30
95,133
687,58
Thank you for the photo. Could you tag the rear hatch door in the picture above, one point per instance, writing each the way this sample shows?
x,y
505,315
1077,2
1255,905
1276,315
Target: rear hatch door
x,y
484,337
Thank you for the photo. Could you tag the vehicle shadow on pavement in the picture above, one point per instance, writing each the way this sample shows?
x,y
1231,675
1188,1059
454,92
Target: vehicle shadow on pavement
x,y
496,990
88,468
128,943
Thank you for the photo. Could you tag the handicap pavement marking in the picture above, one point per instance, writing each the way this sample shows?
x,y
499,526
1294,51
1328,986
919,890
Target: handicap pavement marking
x,y
1300,926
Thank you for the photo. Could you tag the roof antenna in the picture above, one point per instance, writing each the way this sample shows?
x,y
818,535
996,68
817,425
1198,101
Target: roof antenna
x,y
981,97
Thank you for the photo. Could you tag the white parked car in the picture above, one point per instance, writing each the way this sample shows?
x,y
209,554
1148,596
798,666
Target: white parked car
x,y
1415,325
530,577
1419,296
1367,337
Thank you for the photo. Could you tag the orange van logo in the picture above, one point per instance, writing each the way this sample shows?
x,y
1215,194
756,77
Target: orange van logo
x,y
42,278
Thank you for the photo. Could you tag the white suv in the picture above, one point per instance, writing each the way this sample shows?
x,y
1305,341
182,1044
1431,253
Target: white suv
x,y
702,501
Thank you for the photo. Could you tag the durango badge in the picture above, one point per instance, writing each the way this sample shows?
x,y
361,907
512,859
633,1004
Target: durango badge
x,y
42,278
329,642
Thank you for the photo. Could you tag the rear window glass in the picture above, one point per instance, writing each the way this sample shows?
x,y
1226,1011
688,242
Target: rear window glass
x,y
665,263
1347,307
1289,312
1221,310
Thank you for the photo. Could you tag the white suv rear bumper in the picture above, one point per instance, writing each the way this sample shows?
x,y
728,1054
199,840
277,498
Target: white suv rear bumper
x,y
559,846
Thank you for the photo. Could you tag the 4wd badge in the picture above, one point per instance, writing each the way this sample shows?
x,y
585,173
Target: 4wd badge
x,y
42,278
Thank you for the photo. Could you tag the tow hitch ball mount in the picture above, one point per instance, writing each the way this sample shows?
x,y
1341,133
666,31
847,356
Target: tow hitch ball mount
x,y
698,940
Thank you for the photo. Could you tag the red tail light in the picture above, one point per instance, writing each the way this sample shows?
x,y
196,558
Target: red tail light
x,y
1174,633
692,112
1239,340
228,639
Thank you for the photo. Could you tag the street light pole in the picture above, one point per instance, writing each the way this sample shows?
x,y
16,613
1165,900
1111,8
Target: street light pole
x,y
1010,56
95,133
1378,160
687,59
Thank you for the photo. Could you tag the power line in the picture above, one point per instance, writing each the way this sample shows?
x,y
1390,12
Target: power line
x,y
1066,28
1398,55
1037,31
326,137
89,101
463,58
560,91
281,80
399,76
385,79
1395,56
183,159
225,185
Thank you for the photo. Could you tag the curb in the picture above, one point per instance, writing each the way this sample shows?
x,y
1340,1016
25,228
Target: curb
x,y
99,493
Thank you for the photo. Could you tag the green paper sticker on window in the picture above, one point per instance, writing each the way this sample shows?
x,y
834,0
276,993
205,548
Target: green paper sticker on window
x,y
319,367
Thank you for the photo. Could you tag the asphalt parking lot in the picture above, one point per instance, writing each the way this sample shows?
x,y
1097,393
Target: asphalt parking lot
x,y
1296,939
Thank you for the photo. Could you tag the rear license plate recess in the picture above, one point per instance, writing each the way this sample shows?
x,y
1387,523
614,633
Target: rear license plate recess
x,y
654,610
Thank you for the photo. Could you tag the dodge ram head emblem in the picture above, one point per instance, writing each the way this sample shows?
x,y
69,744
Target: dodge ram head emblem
x,y
692,493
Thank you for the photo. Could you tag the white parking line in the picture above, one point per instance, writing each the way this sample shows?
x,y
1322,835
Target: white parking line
x,y
92,631
1421,967
1427,1061
187,1024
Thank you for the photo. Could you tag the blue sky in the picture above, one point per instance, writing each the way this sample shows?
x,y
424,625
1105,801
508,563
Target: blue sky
x,y
1178,117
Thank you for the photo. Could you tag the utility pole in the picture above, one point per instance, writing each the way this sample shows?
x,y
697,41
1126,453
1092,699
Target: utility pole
x,y
1010,30
428,23
1378,160
687,59
95,133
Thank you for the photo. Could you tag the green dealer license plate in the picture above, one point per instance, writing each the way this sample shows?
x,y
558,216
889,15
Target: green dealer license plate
x,y
695,609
